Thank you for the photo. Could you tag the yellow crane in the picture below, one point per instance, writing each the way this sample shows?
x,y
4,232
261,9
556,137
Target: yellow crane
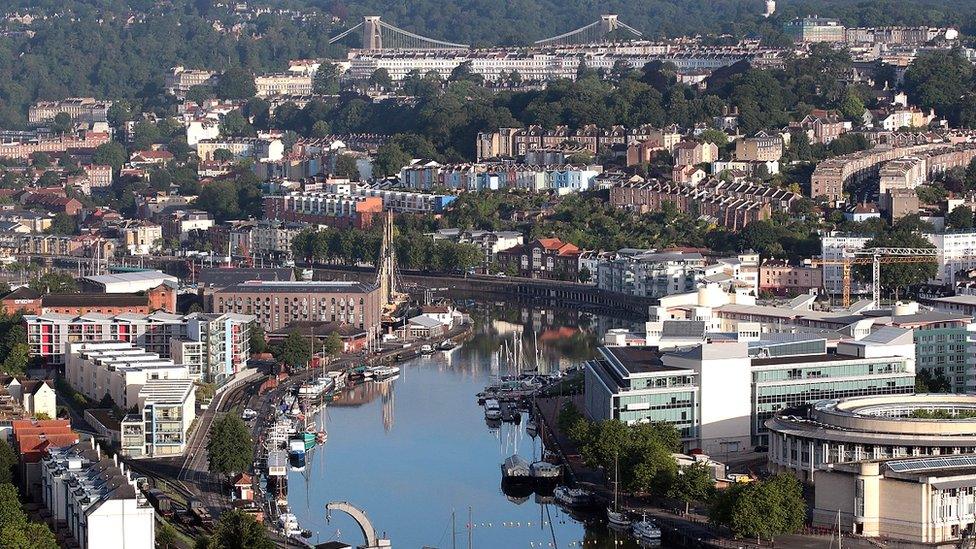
x,y
876,257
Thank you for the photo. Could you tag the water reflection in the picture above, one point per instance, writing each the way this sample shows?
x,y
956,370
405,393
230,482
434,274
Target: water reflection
x,y
417,452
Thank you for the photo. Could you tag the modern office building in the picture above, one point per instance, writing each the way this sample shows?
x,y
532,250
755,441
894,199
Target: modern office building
x,y
809,439
720,393
95,499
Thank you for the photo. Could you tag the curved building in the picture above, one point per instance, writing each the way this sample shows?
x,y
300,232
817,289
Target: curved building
x,y
871,428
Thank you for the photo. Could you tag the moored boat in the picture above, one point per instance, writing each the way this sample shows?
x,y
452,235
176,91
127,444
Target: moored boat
x,y
646,531
516,469
543,471
492,409
574,498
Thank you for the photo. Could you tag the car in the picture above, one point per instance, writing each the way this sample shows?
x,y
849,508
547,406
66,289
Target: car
x,y
248,414
501,275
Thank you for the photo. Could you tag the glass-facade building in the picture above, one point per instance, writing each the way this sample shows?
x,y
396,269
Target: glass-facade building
x,y
643,384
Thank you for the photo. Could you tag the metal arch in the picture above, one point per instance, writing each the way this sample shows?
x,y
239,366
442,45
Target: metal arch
x,y
344,34
452,45
369,534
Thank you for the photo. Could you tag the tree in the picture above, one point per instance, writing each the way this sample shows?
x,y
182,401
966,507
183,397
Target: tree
x,y
41,160
585,275
230,449
961,217
233,124
390,158
692,483
718,137
333,344
11,514
239,530
939,80
380,79
852,107
110,154
321,129
345,166
54,282
61,123
17,360
326,81
762,510
32,535
8,460
223,155
258,342
295,351
166,537
928,382
63,224
235,83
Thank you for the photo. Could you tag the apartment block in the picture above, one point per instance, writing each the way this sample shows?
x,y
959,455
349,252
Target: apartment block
x,y
96,499
82,110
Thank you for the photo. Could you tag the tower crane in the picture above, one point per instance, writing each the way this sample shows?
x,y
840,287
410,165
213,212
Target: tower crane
x,y
876,257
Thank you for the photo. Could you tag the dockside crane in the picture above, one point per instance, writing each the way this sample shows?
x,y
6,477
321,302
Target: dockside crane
x,y
876,257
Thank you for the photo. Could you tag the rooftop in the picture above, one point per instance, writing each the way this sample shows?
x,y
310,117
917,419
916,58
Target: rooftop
x,y
309,286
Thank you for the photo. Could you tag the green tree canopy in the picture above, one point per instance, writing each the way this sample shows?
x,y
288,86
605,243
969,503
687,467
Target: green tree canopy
x,y
326,80
961,217
54,282
692,483
239,530
295,351
230,449
235,83
762,510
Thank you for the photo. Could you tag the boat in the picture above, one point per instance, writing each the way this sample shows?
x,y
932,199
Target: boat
x,y
446,345
510,413
426,350
492,409
572,497
516,469
383,372
289,524
531,428
296,453
543,471
646,531
614,514
310,440
321,437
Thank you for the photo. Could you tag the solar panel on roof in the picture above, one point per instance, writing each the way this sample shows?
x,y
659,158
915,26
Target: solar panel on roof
x,y
933,462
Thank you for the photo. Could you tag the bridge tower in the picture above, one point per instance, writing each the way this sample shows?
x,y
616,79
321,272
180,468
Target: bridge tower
x,y
372,33
608,23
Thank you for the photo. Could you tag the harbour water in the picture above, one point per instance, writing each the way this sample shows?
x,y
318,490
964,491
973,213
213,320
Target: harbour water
x,y
416,449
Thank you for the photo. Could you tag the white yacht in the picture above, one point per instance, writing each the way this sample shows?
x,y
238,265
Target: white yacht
x,y
646,531
493,410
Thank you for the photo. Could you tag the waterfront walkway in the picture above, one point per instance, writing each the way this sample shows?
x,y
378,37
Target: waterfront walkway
x,y
685,530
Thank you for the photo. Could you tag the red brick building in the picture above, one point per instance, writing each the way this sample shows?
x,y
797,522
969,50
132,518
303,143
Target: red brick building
x,y
549,258
26,300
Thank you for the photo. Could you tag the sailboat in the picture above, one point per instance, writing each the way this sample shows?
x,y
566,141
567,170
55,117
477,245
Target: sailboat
x,y
614,515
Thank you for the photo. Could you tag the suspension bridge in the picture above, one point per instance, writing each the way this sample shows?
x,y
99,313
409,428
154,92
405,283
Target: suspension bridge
x,y
379,35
